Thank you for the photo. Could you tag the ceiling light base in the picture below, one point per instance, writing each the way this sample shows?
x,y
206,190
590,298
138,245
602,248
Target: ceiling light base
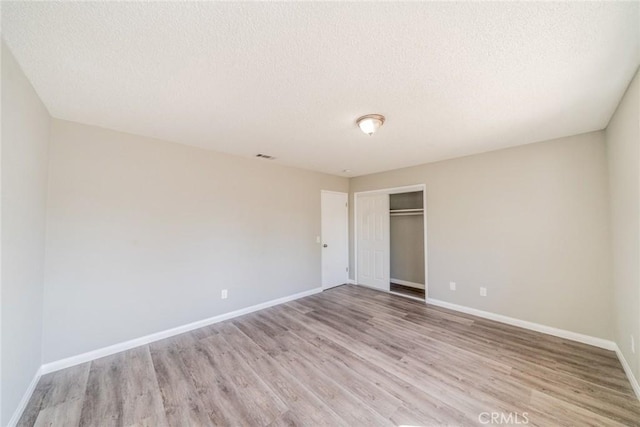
x,y
370,123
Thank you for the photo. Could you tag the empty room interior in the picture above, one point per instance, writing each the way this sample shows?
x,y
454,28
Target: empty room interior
x,y
320,213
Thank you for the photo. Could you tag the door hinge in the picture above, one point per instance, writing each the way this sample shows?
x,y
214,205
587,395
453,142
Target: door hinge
x,y
347,269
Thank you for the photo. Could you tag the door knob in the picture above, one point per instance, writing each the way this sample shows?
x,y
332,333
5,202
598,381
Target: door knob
x,y
325,245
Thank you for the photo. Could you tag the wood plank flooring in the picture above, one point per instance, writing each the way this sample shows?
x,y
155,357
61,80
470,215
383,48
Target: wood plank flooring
x,y
407,290
350,356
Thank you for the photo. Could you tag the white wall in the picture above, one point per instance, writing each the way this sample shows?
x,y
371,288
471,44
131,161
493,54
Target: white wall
x,y
25,140
623,141
144,234
530,223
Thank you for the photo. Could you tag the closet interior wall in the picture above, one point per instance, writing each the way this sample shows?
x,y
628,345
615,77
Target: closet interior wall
x,y
407,239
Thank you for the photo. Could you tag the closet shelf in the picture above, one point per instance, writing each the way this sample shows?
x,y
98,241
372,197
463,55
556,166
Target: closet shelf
x,y
405,210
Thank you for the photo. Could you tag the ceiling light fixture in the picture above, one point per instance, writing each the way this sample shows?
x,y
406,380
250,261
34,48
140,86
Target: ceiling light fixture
x,y
370,123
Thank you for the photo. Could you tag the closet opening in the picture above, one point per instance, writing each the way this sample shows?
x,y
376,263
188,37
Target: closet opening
x,y
406,244
390,243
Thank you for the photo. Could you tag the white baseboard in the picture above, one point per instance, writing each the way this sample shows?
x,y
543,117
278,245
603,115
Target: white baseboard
x,y
407,283
627,370
562,333
25,399
351,282
137,342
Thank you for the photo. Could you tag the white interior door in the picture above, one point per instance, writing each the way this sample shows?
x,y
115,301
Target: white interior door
x,y
373,240
335,238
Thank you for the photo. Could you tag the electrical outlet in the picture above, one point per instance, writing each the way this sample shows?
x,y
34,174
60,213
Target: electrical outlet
x,y
317,239
452,286
224,294
633,345
483,292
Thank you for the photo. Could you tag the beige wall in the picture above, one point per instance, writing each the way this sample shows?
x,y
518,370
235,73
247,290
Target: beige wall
x,y
144,234
623,141
25,140
530,223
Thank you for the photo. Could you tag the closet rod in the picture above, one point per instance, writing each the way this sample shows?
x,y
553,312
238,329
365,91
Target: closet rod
x,y
406,214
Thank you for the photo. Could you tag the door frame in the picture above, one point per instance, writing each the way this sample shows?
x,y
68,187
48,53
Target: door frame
x,y
322,240
392,190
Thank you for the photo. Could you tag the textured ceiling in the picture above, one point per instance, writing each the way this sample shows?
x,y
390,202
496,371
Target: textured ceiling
x,y
289,79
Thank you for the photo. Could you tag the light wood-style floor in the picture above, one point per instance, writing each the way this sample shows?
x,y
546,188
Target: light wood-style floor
x,y
349,356
407,290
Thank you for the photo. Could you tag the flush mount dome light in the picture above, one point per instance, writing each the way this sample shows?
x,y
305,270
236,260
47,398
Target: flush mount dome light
x,y
370,123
